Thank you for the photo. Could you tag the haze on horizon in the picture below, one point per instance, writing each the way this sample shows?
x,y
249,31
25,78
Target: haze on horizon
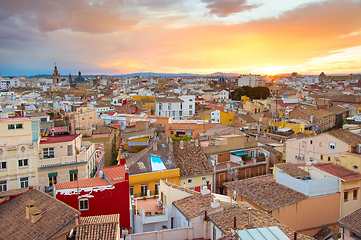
x,y
169,36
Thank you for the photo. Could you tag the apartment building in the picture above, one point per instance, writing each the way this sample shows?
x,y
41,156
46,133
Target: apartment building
x,y
251,80
170,107
18,153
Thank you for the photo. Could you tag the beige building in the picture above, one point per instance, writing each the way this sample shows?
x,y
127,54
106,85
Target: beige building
x,y
18,153
82,120
67,158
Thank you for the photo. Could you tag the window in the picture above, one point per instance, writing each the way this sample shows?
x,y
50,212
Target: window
x,y
73,175
24,182
82,119
329,159
181,105
355,167
180,113
23,162
320,144
303,143
11,126
144,189
52,178
169,106
355,194
48,153
345,196
70,150
332,145
321,157
83,204
190,106
191,100
131,190
19,126
190,112
204,178
311,141
190,180
160,106
156,188
3,165
3,186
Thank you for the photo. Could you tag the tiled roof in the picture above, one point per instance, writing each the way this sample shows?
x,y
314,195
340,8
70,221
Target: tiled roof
x,y
223,165
57,139
140,162
265,192
338,171
15,192
350,138
89,182
187,190
248,118
298,135
225,221
166,100
195,205
323,233
291,169
115,174
352,221
98,227
191,160
222,130
272,150
57,218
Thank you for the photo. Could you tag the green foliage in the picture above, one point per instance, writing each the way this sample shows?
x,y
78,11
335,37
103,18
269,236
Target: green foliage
x,y
186,138
174,139
261,154
252,93
114,159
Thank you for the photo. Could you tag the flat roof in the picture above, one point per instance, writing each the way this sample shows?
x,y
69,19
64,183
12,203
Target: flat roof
x,y
58,139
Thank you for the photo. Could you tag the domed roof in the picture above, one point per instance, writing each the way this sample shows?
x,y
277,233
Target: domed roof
x,y
222,79
79,79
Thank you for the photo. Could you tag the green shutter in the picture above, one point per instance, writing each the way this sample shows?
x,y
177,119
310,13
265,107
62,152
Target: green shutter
x,y
73,171
53,174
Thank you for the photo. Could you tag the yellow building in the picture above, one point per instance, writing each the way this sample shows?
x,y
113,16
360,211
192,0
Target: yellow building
x,y
219,116
67,158
18,153
244,99
253,107
351,161
148,167
295,126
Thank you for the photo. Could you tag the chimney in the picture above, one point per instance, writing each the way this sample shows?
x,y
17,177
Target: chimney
x,y
52,132
126,174
249,217
36,215
196,142
171,145
205,190
155,145
30,206
235,223
205,215
181,145
122,161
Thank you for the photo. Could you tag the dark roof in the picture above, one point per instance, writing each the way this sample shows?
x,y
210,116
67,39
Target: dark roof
x,y
140,162
79,79
272,150
323,233
225,220
191,160
248,118
352,221
291,169
98,227
265,192
195,205
57,218
15,192
350,138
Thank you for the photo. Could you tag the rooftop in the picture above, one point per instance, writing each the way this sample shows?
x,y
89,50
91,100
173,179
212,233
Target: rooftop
x,y
338,171
56,219
265,192
58,139
195,205
98,227
291,169
352,221
89,182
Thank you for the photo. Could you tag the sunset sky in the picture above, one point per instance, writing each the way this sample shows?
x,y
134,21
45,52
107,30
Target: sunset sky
x,y
175,36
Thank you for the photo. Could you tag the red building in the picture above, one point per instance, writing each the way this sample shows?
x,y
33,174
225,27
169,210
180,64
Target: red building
x,y
103,195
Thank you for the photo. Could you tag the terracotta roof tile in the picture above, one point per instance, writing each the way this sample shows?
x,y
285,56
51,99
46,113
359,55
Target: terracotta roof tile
x,y
225,221
265,192
195,205
272,150
58,139
187,190
346,136
98,227
352,221
338,171
57,218
89,182
291,169
191,160
115,174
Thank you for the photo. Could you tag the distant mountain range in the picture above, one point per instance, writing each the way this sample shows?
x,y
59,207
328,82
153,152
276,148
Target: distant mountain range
x,y
147,74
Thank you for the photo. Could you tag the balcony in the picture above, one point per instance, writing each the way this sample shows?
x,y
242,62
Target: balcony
x,y
150,211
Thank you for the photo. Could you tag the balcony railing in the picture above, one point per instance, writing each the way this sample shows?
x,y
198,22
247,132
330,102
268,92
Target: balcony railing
x,y
142,194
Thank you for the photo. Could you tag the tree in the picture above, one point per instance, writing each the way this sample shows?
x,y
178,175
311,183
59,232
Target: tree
x,y
237,94
174,139
186,138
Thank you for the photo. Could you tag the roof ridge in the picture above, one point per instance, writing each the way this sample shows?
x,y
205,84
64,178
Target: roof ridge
x,y
141,155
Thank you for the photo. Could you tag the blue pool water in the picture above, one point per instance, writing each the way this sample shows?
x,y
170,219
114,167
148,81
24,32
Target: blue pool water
x,y
156,163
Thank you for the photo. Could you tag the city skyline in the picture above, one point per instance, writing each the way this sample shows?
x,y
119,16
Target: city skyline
x,y
200,37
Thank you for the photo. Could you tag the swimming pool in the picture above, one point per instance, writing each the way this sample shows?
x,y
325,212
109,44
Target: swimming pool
x,y
156,163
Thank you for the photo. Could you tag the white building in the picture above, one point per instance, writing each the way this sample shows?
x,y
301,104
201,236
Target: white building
x,y
252,80
189,105
7,83
171,107
310,80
